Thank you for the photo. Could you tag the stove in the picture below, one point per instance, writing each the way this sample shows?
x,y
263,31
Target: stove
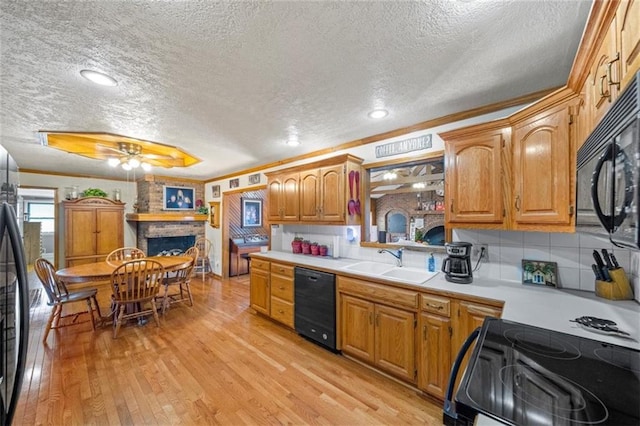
x,y
524,375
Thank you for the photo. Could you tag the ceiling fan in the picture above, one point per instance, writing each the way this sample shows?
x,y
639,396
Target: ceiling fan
x,y
127,152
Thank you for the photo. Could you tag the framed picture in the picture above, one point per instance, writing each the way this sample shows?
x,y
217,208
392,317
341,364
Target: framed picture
x,y
251,213
215,191
234,183
253,179
539,273
178,198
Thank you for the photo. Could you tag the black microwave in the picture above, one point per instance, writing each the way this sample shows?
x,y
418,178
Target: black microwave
x,y
608,173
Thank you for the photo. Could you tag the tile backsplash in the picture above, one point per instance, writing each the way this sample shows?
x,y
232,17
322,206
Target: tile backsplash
x,y
506,249
572,252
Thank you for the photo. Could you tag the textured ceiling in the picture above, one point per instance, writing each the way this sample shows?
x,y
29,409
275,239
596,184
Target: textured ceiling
x,y
229,81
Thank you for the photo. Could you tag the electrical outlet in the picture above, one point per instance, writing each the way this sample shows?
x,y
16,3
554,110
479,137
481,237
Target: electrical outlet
x,y
477,249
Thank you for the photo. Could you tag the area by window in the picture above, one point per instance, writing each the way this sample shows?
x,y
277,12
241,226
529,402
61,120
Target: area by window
x,y
43,213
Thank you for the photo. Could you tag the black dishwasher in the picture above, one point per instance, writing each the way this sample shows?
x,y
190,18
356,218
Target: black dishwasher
x,y
315,306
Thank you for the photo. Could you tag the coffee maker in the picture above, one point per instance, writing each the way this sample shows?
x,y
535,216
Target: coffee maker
x,y
457,265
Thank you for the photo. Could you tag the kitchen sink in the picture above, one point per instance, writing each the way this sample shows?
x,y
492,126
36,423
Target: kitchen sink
x,y
408,275
370,268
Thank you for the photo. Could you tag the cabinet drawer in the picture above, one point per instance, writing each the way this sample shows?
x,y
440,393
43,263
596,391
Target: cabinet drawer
x,y
282,311
436,305
260,264
282,287
278,268
379,292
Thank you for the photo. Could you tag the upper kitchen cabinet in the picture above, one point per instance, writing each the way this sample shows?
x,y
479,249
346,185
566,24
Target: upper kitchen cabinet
x,y
543,169
474,189
93,227
321,194
515,173
608,58
282,193
628,25
321,197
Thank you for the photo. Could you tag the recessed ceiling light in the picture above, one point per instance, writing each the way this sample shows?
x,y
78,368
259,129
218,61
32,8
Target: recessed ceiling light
x,y
98,78
378,113
293,140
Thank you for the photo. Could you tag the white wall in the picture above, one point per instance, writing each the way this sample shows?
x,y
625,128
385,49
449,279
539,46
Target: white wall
x,y
128,196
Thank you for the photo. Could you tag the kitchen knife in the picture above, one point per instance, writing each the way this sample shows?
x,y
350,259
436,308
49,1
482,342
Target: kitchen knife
x,y
598,259
614,261
607,259
605,273
597,272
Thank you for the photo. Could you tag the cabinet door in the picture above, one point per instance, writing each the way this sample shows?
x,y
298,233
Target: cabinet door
x,y
259,290
357,328
601,92
543,169
473,178
80,232
332,204
310,195
628,21
289,199
275,195
435,354
109,231
395,341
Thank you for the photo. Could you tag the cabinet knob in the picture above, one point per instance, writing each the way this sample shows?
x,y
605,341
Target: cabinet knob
x,y
281,311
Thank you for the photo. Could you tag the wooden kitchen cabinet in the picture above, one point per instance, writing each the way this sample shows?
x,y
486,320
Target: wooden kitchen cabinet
x,y
628,26
321,193
474,175
93,228
317,192
282,193
515,173
259,287
374,331
435,331
282,293
543,170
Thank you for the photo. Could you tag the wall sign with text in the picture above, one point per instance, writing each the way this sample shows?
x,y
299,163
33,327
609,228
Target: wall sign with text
x,y
404,146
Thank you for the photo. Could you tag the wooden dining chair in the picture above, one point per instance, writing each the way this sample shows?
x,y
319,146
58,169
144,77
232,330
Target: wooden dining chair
x,y
203,264
177,288
124,254
135,284
59,295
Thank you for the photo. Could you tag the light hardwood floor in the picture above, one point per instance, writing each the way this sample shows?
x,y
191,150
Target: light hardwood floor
x,y
215,363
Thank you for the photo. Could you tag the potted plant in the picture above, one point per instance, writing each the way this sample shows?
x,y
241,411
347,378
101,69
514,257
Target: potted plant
x,y
314,248
322,250
94,192
296,245
306,244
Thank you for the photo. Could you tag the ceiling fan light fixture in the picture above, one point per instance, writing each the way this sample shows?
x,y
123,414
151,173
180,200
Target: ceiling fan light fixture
x,y
113,162
98,78
389,176
126,166
378,113
134,162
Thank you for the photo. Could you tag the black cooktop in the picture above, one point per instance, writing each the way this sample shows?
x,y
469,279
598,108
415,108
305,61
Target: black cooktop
x,y
524,375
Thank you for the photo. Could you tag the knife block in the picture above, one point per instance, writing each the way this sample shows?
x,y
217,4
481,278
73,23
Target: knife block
x,y
616,289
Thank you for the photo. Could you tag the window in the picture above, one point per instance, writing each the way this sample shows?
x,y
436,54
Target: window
x,y
43,213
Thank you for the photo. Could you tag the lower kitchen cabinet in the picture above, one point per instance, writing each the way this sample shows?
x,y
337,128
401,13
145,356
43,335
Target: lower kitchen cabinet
x,y
282,293
435,345
380,335
260,295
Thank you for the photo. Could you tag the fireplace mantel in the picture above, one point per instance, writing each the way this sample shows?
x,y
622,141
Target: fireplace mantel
x,y
166,217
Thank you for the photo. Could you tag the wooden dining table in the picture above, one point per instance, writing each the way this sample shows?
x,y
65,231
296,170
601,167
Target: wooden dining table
x,y
98,275
101,271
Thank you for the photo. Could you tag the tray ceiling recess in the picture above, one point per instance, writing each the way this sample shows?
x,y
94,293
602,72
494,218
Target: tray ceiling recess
x,y
107,146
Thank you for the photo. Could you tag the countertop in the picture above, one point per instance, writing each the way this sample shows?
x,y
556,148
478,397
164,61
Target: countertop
x,y
543,307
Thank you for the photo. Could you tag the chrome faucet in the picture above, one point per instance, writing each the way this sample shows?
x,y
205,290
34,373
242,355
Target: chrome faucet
x,y
395,253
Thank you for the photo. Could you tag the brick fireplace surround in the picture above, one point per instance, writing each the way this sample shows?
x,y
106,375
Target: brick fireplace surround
x,y
150,200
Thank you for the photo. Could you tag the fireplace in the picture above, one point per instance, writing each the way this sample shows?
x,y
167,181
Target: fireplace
x,y
169,246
